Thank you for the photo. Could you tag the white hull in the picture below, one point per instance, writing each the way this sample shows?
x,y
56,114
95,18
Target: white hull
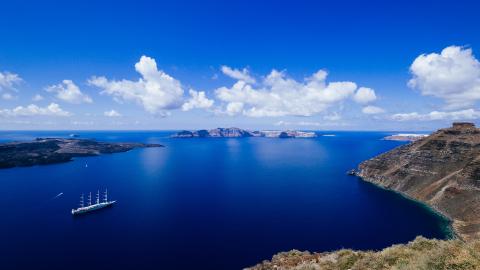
x,y
93,207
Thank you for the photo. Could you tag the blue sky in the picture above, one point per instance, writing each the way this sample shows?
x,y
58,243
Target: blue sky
x,y
79,60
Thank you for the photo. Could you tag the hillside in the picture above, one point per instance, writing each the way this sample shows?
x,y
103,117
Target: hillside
x,y
441,170
421,253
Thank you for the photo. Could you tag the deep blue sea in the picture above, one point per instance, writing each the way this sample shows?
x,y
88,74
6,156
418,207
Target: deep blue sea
x,y
202,203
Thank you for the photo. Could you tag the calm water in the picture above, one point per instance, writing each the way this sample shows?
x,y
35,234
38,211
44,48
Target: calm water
x,y
202,203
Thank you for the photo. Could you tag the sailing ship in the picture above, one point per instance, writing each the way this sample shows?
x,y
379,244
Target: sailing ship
x,y
92,207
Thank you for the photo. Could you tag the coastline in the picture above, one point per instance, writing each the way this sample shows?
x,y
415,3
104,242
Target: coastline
x,y
450,231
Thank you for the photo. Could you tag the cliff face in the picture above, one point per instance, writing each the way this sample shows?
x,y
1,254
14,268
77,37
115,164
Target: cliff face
x,y
442,170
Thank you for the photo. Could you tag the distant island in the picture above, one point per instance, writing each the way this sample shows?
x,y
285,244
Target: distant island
x,y
411,137
55,150
238,133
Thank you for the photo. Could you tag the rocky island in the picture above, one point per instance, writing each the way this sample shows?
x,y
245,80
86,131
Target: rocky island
x,y
239,133
410,137
55,150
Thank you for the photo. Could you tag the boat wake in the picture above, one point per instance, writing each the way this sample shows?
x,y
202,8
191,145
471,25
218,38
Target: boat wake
x,y
57,196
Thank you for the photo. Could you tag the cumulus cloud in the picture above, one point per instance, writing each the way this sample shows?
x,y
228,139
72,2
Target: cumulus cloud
x,y
8,80
112,113
333,117
301,123
279,95
69,92
155,90
364,95
310,124
453,75
234,108
33,110
7,96
37,97
469,114
197,100
241,75
372,110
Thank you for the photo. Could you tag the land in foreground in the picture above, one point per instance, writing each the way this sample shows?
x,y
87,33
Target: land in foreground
x,y
421,253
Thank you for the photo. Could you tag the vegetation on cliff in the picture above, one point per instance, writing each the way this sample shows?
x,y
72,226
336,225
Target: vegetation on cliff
x,y
420,254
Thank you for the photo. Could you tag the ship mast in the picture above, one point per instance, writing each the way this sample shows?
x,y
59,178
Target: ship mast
x,y
98,196
81,200
106,194
89,198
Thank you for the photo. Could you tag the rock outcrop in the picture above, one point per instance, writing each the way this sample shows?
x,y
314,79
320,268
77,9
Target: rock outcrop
x,y
441,170
239,133
56,150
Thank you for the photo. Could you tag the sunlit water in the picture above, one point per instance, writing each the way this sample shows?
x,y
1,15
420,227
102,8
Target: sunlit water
x,y
202,203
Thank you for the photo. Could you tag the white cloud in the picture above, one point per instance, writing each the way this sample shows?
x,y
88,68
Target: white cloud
x,y
8,80
279,95
301,123
112,113
197,100
453,75
155,90
7,96
241,75
83,123
333,117
234,108
310,124
372,110
33,110
37,97
364,95
69,92
468,114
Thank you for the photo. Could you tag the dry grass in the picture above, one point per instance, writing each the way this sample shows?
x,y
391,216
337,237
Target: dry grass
x,y
422,254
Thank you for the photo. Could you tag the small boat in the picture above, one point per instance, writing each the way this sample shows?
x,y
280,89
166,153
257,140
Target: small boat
x,y
92,207
352,172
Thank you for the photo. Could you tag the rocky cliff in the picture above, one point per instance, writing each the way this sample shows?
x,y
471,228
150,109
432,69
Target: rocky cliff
x,y
441,170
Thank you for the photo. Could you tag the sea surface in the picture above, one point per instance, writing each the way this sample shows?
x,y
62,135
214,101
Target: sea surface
x,y
223,203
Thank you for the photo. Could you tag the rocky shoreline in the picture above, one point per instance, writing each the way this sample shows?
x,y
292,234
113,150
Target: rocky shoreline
x,y
44,151
441,170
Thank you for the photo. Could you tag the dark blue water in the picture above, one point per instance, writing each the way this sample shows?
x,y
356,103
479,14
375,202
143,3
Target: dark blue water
x,y
202,203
